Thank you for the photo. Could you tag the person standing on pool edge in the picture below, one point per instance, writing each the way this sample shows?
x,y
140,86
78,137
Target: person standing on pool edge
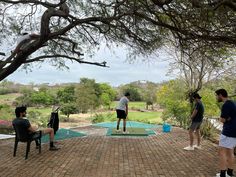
x,y
122,112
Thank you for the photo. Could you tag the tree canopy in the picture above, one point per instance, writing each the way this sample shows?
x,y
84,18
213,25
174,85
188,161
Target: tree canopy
x,y
69,28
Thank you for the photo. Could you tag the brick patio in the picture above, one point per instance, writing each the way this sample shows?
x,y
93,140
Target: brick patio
x,y
97,155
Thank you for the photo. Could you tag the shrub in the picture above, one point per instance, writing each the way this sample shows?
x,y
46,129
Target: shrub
x,y
69,108
101,117
6,113
207,129
98,118
36,117
64,118
6,127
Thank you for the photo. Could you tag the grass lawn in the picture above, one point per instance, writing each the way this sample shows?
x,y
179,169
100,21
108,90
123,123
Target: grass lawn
x,y
132,104
146,117
8,98
43,111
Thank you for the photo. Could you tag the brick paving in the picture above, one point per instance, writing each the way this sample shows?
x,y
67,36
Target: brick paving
x,y
97,155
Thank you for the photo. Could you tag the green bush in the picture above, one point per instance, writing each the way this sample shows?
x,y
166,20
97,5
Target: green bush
x,y
172,97
37,118
64,118
101,117
6,127
69,108
207,129
6,113
97,118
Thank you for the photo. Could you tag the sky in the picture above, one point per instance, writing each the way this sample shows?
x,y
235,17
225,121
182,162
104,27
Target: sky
x,y
120,71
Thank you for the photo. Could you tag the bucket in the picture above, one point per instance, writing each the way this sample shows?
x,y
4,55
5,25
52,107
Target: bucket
x,y
166,127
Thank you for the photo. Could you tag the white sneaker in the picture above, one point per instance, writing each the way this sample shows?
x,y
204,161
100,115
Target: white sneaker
x,y
197,147
189,148
118,131
218,175
126,132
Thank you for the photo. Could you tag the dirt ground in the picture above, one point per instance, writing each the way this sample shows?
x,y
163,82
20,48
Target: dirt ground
x,y
77,120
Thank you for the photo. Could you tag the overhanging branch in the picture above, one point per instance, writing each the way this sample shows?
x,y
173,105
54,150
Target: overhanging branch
x,y
41,58
74,45
189,35
36,2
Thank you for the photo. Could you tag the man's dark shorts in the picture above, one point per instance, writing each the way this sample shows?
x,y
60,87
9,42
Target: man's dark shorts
x,y
195,126
36,134
121,114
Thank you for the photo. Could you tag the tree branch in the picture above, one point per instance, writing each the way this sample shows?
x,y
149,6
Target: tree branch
x,y
74,45
190,35
160,3
228,3
37,2
40,58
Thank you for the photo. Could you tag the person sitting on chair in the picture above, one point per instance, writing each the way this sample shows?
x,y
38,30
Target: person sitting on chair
x,y
22,120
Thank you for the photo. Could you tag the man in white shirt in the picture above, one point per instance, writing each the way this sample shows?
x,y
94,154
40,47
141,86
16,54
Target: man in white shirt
x,y
122,112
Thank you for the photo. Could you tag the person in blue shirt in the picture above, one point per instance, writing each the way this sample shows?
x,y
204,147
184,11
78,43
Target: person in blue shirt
x,y
227,140
196,121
